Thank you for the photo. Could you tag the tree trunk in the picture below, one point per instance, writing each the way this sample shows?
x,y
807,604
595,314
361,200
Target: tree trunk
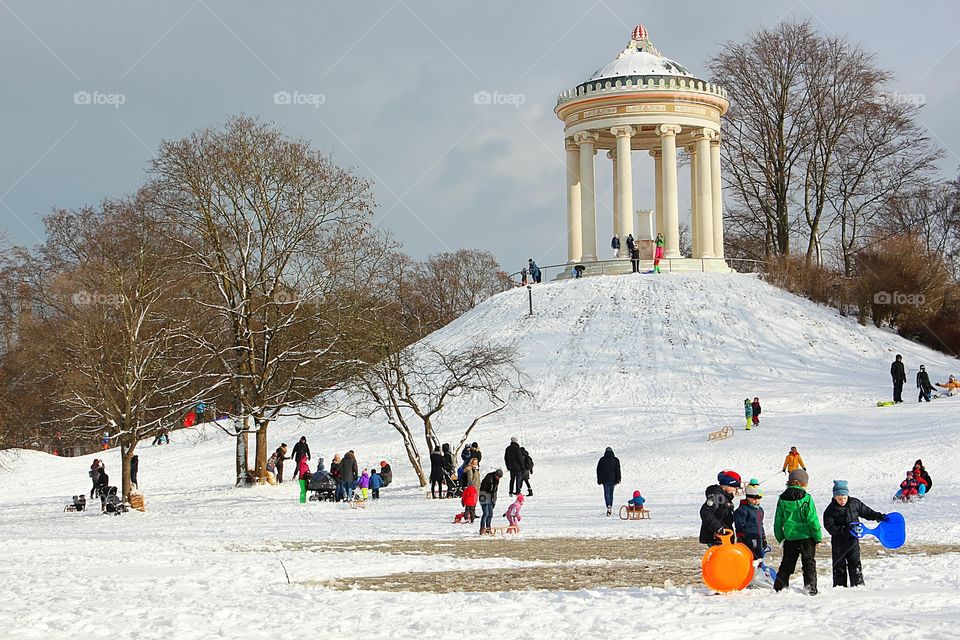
x,y
242,448
260,470
412,454
126,454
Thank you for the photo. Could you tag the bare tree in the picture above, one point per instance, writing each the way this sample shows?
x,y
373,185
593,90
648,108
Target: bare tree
x,y
412,386
113,331
281,237
931,212
765,132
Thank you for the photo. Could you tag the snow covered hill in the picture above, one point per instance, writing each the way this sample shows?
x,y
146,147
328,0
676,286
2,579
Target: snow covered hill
x,y
647,365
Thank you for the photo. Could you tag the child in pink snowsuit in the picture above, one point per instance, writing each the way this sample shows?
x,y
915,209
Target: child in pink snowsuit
x,y
908,488
513,511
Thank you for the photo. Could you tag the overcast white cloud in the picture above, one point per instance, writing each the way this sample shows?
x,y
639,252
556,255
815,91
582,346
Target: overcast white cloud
x,y
389,87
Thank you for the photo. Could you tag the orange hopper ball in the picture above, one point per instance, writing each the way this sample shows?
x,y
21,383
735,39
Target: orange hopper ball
x,y
727,567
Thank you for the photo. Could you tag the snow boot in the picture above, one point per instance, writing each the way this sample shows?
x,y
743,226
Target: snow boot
x,y
529,492
609,511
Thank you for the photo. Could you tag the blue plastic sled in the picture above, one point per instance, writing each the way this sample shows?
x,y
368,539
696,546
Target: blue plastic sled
x,y
770,572
891,533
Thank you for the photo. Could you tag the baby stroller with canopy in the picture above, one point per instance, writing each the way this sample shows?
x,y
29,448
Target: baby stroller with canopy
x,y
111,503
323,487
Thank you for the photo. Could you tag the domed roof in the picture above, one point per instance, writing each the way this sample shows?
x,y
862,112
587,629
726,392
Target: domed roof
x,y
641,58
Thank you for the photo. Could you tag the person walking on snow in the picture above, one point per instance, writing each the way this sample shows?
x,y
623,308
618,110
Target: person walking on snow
x,y
756,411
844,546
797,528
608,475
300,450
748,412
793,461
364,483
923,383
513,461
513,512
281,454
899,375
615,245
303,471
488,499
716,512
658,253
527,471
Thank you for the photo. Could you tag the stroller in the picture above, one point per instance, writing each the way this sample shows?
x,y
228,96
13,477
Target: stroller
x,y
79,504
323,486
112,503
454,488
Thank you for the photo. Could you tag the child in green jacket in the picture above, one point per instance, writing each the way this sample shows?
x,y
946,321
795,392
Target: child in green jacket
x,y
748,412
797,527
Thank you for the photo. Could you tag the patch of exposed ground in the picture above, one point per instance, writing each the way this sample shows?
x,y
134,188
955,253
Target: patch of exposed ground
x,y
568,563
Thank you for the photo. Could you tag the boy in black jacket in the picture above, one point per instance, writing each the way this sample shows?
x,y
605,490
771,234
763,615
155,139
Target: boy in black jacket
x,y
716,513
845,547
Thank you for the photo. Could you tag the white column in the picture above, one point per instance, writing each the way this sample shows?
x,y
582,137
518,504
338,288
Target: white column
x,y
588,195
704,194
671,217
694,203
717,193
624,183
574,241
658,188
612,155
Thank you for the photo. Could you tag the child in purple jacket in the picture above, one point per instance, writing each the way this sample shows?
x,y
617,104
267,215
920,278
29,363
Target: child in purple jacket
x,y
364,483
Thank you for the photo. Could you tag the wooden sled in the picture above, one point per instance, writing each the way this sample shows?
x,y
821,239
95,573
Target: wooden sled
x,y
721,434
359,503
502,531
634,513
137,502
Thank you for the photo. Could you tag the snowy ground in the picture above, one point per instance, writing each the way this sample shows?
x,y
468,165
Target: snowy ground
x,y
645,365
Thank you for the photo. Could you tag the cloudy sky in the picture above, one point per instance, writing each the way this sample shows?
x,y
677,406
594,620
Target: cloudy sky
x,y
390,88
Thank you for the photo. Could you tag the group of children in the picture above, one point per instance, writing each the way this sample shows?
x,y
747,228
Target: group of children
x,y
795,524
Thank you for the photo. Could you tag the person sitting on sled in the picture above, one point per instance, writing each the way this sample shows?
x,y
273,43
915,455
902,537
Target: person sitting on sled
x,y
513,511
748,519
927,480
908,488
845,546
636,502
952,385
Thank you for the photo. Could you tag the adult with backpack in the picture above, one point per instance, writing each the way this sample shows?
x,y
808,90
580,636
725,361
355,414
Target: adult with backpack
x,y
527,470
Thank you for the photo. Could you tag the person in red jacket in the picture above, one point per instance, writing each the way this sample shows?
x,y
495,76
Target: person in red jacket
x,y
469,502
908,488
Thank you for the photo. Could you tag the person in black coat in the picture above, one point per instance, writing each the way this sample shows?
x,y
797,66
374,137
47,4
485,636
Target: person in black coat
x,y
449,468
513,460
608,475
845,547
386,473
527,470
103,483
436,473
349,474
923,383
300,450
899,375
488,498
918,466
134,468
716,512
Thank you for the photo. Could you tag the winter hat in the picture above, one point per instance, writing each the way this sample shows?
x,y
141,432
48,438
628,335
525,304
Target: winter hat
x,y
918,462
728,479
798,476
608,450
514,440
636,494
746,401
753,490
840,488
520,498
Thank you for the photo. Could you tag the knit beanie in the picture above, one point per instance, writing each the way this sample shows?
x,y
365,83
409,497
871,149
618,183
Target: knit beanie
x,y
636,494
753,491
513,439
798,476
840,488
728,479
